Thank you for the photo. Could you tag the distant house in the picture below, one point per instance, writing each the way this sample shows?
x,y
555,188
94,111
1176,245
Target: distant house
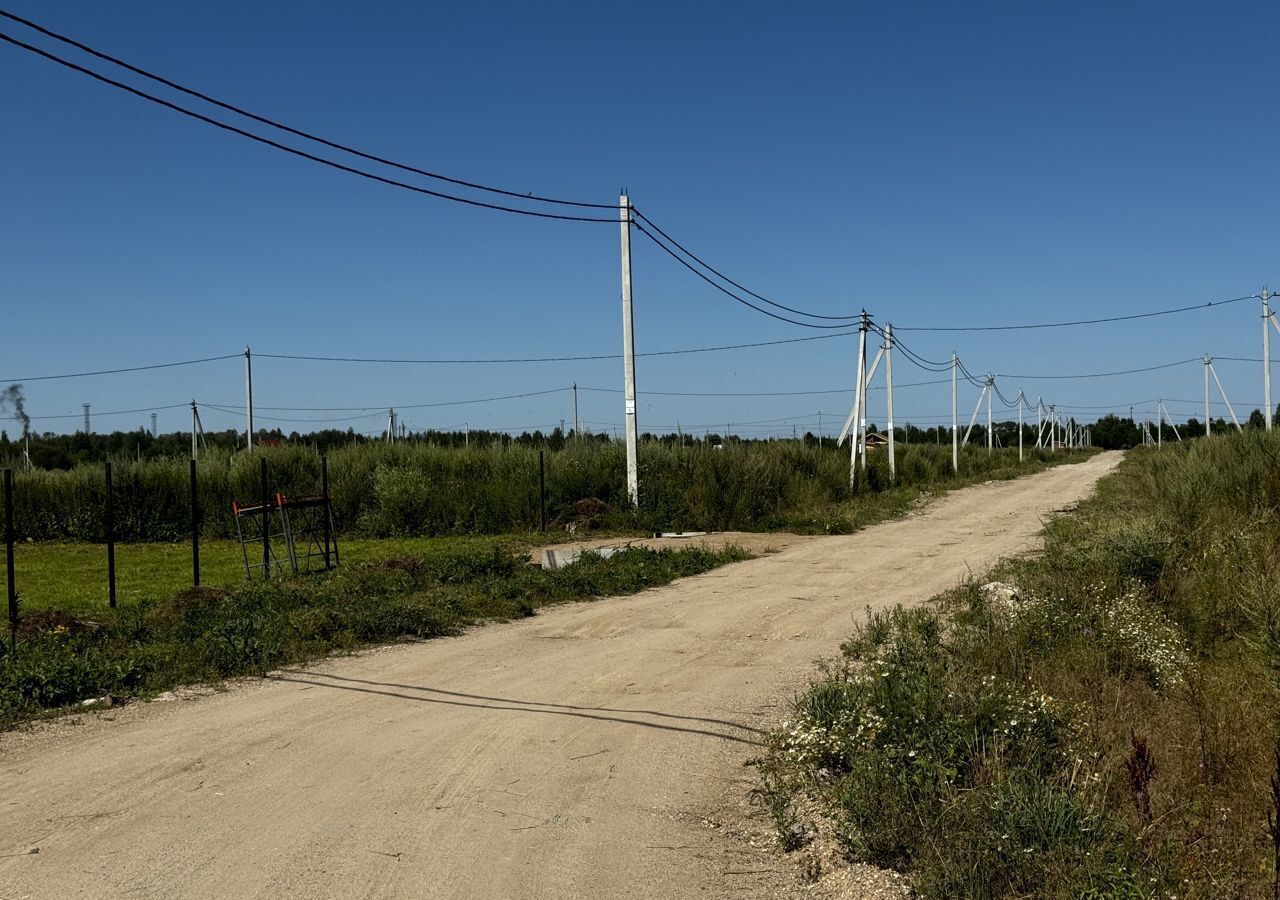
x,y
876,439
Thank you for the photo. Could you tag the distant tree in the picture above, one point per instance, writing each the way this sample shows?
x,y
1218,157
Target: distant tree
x,y
1257,420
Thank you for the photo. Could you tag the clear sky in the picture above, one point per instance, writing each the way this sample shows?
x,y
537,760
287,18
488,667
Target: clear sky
x,y
936,163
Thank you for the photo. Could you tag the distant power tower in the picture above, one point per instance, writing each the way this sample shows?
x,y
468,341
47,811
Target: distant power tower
x,y
86,417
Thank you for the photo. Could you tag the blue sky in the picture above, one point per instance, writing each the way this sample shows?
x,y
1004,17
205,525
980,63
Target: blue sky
x,y
935,163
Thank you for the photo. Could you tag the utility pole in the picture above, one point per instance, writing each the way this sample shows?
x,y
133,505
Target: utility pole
x,y
248,392
1207,362
1266,355
861,424
1225,399
858,400
955,424
577,423
86,417
888,376
1021,400
991,389
195,452
154,433
629,355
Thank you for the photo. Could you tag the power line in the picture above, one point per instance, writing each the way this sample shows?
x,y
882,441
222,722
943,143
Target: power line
x,y
289,129
293,150
1146,315
1181,362
721,288
382,407
722,276
545,359
236,411
848,390
170,365
114,412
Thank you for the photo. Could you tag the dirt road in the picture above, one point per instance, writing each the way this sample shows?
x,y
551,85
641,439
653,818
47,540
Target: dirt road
x,y
579,754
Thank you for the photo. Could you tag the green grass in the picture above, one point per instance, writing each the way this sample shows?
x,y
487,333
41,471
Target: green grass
x,y
73,576
1112,732
208,634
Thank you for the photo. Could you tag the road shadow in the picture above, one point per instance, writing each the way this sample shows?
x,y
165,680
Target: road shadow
x,y
442,697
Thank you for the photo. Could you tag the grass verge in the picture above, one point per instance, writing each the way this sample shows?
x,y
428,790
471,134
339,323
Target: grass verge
x,y
72,575
206,634
1104,726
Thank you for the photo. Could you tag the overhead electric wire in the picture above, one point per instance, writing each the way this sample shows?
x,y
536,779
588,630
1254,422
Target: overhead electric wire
x,y
112,412
1171,365
724,290
546,359
1146,315
848,390
291,130
170,365
236,411
689,253
383,407
293,150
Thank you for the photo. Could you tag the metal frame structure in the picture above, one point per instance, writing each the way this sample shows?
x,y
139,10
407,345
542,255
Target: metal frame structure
x,y
309,519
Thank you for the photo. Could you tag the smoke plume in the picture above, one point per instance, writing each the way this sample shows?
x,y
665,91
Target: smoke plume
x,y
12,397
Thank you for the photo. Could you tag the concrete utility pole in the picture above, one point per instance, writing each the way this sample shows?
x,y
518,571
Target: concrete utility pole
x,y
86,417
248,393
863,381
858,400
888,375
1021,400
629,355
955,423
991,384
154,433
577,424
1206,394
1266,356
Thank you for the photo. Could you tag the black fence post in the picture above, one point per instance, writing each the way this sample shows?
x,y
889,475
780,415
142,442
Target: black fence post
x,y
542,491
111,541
8,556
328,514
266,519
195,528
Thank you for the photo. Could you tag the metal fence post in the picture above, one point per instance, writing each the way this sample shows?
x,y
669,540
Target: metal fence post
x,y
542,491
328,512
8,556
266,519
111,540
195,528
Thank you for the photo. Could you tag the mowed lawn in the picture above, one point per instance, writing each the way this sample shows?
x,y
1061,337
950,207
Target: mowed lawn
x,y
73,576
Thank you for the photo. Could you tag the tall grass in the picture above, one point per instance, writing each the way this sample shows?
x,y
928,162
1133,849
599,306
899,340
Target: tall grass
x,y
415,489
1110,731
